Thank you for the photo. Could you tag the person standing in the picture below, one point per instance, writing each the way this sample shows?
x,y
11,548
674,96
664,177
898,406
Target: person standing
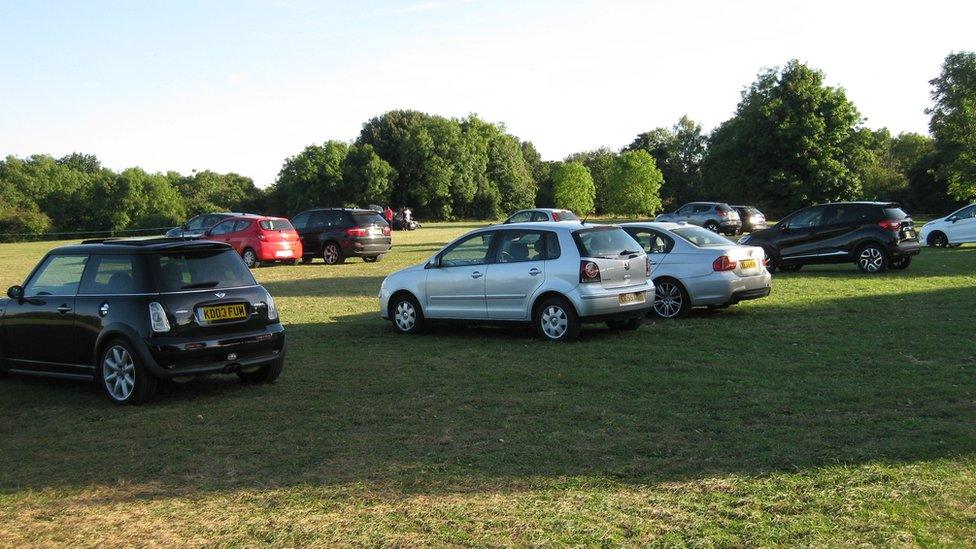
x,y
388,216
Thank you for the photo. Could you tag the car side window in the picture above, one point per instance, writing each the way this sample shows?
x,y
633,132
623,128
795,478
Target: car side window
x,y
518,246
553,251
223,227
197,223
59,275
811,217
652,242
702,208
520,217
473,250
967,213
540,216
300,221
318,220
686,209
242,225
113,275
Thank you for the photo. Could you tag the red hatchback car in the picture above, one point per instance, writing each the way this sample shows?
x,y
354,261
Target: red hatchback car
x,y
259,239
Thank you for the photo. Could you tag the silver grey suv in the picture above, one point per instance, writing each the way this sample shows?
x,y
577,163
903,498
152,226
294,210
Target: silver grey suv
x,y
715,216
556,276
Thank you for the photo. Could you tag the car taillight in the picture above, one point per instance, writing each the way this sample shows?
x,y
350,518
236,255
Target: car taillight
x,y
555,216
890,225
272,309
589,271
723,263
720,212
157,318
386,231
354,232
647,264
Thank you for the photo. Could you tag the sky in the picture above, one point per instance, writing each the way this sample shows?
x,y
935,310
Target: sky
x,y
240,86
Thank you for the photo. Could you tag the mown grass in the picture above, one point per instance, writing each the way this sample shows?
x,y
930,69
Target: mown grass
x,y
839,411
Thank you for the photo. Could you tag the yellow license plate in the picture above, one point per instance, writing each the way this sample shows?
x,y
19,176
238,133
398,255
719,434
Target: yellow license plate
x,y
748,263
636,297
217,313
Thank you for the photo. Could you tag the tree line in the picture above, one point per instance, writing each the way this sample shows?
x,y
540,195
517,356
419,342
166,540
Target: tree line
x,y
791,142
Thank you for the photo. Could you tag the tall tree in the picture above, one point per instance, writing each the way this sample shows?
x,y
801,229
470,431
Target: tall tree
x,y
678,152
572,188
634,184
793,141
953,123
313,177
367,178
599,162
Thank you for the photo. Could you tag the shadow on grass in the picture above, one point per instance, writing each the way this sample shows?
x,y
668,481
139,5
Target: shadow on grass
x,y
756,389
326,286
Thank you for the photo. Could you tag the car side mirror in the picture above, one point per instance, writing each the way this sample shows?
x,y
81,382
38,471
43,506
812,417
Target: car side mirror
x,y
434,262
16,292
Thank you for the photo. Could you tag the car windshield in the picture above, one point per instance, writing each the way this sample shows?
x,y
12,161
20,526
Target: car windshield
x,y
200,270
366,219
276,225
605,242
703,238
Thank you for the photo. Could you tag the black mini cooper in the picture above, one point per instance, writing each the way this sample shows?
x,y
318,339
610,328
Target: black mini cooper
x,y
130,312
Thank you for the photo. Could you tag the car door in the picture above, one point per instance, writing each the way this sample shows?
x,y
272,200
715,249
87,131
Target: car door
x,y
517,272
655,244
700,214
41,329
964,228
684,213
797,237
112,289
833,235
222,232
238,237
456,279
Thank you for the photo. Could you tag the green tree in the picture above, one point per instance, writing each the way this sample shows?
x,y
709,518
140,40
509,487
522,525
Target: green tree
x,y
634,184
953,123
573,189
313,177
678,152
507,169
367,178
599,162
793,141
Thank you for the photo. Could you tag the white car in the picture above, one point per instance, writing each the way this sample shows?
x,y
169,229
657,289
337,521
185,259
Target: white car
x,y
554,275
693,267
954,229
541,214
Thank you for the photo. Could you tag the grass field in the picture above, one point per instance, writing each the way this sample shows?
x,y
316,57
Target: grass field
x,y
841,410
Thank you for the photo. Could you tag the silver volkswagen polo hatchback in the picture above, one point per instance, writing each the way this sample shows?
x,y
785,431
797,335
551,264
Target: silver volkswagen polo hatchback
x,y
554,275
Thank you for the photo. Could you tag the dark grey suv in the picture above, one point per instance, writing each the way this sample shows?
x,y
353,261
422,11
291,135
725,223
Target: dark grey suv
x,y
337,233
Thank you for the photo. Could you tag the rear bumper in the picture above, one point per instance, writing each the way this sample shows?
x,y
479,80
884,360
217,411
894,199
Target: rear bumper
x,y
366,247
275,251
743,295
175,357
599,304
722,288
904,248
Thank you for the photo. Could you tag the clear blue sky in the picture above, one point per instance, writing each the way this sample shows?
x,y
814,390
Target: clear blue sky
x,y
239,86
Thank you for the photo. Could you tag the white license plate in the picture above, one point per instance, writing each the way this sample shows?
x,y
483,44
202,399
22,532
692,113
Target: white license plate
x,y
634,297
283,253
374,231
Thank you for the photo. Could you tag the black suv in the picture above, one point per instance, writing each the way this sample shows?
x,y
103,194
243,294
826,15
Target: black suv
x,y
129,312
337,233
874,235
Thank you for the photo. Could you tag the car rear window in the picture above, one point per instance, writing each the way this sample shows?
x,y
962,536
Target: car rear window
x,y
604,242
723,208
367,219
895,213
703,238
200,270
276,225
566,215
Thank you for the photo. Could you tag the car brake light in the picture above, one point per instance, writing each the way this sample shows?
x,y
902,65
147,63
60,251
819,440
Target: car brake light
x,y
157,318
589,271
555,216
720,212
890,225
386,231
272,309
357,231
647,264
723,263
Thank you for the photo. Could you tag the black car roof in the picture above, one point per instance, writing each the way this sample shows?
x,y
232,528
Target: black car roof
x,y
367,210
140,246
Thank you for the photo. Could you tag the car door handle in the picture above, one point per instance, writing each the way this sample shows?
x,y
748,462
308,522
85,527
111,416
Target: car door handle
x,y
64,309
533,271
476,274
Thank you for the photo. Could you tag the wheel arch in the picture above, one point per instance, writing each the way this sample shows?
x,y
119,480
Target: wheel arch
x,y
928,239
399,293
546,295
129,335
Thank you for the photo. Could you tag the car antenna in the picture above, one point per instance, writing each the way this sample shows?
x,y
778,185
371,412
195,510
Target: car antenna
x,y
585,217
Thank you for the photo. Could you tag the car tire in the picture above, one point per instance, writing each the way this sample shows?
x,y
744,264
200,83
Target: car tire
x,y
406,315
373,258
265,374
628,325
901,263
122,376
938,239
671,300
556,320
250,258
332,254
711,226
872,258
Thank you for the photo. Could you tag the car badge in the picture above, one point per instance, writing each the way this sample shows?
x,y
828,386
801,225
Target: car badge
x,y
626,266
220,295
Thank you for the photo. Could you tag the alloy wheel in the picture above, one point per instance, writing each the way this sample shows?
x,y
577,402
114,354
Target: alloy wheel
x,y
119,373
871,259
330,254
939,240
554,322
667,299
249,258
405,316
